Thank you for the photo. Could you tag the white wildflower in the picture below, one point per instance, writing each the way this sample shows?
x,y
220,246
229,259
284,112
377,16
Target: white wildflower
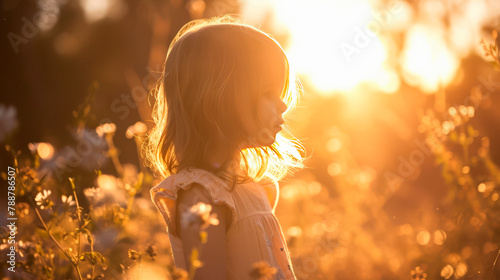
x,y
137,129
42,199
68,199
106,128
199,216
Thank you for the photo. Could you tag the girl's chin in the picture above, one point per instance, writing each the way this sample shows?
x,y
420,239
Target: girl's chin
x,y
265,141
268,141
259,145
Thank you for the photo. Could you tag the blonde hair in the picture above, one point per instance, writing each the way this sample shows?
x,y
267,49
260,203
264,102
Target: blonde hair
x,y
206,67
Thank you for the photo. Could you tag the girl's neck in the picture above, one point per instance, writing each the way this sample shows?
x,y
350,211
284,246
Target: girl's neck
x,y
226,163
218,158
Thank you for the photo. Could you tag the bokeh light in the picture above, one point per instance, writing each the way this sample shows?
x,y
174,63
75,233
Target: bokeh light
x,y
423,237
439,237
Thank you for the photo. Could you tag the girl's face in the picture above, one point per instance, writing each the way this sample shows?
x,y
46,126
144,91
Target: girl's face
x,y
262,123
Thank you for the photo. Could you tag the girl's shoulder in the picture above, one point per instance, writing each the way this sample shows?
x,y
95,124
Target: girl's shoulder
x,y
166,193
272,191
184,179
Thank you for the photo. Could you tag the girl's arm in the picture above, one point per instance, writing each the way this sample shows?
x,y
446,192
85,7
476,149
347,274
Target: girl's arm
x,y
213,253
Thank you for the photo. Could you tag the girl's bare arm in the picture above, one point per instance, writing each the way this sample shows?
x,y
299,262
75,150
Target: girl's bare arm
x,y
213,253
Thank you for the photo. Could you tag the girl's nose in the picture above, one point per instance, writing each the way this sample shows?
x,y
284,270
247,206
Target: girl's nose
x,y
282,106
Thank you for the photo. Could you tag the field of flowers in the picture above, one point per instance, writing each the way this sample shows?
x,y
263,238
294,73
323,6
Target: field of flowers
x,y
396,186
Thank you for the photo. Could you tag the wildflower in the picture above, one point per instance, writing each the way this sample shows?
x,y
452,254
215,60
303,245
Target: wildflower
x,y
133,255
106,128
92,257
91,192
108,183
262,271
27,174
138,128
447,271
42,199
418,274
151,252
68,199
26,248
44,150
33,147
491,49
8,121
199,215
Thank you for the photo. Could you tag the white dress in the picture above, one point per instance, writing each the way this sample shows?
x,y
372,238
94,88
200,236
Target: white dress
x,y
255,233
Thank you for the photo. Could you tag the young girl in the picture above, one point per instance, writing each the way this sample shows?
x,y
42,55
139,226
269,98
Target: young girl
x,y
219,111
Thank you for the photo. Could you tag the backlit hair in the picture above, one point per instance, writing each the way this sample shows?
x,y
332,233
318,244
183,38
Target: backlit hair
x,y
209,63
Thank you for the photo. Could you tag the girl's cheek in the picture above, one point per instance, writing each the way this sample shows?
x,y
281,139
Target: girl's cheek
x,y
264,108
268,114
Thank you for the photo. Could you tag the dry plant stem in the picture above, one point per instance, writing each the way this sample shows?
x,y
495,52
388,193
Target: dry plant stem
x,y
113,152
465,146
92,250
192,268
491,50
495,56
78,214
191,271
45,266
91,241
139,149
130,203
80,224
494,266
139,266
73,187
70,258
